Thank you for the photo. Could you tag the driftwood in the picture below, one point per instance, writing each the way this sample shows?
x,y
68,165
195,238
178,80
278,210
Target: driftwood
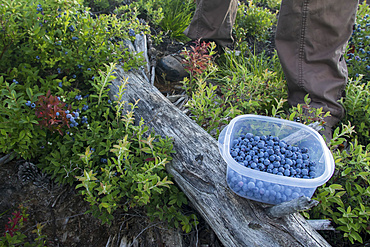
x,y
299,204
199,170
321,225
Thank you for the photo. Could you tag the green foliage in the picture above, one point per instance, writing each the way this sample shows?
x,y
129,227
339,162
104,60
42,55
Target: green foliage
x,y
250,83
358,51
202,106
57,62
358,104
345,198
198,61
102,6
177,16
271,4
19,132
253,22
13,236
150,10
173,16
57,46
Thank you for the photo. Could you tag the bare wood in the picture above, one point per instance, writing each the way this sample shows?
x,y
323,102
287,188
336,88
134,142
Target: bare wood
x,y
299,204
321,225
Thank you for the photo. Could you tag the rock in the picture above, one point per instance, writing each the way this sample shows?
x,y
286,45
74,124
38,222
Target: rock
x,y
171,68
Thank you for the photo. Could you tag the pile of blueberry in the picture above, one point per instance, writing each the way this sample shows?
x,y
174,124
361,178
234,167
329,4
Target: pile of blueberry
x,y
269,154
263,191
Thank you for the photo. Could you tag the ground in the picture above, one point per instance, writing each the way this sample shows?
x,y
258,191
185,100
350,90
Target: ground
x,y
62,211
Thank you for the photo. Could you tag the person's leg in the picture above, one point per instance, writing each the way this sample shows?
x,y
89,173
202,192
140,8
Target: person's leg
x,y
311,38
213,20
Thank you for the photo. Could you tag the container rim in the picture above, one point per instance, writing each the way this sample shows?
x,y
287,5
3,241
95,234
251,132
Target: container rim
x,y
273,178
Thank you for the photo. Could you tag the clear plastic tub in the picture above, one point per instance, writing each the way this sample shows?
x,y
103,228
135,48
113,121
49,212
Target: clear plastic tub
x,y
267,187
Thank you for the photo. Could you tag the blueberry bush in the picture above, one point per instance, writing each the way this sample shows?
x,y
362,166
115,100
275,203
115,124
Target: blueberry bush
x,y
57,60
254,22
253,82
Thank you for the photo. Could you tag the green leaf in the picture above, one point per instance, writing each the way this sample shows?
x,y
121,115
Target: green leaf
x,y
356,236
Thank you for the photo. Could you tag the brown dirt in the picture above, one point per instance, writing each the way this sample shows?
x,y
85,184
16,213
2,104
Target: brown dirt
x,y
62,211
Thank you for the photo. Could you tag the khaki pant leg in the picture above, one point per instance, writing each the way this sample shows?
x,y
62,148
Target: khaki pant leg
x,y
311,38
213,20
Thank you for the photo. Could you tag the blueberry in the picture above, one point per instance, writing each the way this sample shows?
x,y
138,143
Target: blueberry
x,y
276,164
292,171
275,170
272,192
272,157
277,188
249,135
289,162
295,195
259,184
253,165
287,173
283,198
262,191
304,172
278,195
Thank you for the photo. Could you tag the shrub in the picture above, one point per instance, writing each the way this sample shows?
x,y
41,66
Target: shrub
x,y
56,46
357,103
13,235
358,51
172,16
251,82
253,22
345,197
57,63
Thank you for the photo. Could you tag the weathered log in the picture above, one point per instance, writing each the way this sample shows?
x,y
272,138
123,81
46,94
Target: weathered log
x,y
321,225
299,204
199,170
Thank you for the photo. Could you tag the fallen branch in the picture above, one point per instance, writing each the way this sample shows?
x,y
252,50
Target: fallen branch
x,y
200,171
299,204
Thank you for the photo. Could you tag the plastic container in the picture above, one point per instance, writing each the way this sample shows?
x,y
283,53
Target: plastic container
x,y
267,187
